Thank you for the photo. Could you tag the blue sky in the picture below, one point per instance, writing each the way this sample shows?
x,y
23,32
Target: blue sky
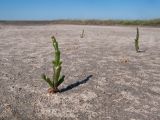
x,y
78,9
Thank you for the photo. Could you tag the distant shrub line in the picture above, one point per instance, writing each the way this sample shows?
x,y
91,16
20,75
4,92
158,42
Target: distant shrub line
x,y
154,22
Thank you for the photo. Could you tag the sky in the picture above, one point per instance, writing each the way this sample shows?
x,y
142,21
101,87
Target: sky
x,y
78,9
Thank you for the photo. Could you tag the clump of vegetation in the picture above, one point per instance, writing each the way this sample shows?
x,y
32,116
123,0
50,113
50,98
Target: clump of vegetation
x,y
82,35
137,41
57,79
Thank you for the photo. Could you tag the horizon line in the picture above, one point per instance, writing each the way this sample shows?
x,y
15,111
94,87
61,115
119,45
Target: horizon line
x,y
80,19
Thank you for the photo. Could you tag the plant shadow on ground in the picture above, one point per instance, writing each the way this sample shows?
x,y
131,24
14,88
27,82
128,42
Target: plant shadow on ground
x,y
76,84
140,51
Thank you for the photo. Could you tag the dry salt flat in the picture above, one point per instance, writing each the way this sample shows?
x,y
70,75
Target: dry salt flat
x,y
105,78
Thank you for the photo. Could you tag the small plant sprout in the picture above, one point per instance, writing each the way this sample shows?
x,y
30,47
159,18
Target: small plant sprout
x,y
82,35
137,41
57,79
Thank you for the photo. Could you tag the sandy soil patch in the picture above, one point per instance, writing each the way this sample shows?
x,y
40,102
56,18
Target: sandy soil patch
x,y
109,80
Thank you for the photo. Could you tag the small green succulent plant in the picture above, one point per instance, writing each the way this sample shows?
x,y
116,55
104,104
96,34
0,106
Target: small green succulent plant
x,y
57,79
137,41
82,34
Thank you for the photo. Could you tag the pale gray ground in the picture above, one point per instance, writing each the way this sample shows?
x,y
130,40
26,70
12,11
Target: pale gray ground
x,y
124,85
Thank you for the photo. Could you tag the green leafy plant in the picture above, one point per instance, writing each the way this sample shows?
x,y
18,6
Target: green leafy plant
x,y
137,41
57,79
82,35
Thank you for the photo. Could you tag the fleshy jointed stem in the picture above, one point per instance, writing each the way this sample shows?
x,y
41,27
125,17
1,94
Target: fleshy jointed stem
x,y
56,79
137,41
82,35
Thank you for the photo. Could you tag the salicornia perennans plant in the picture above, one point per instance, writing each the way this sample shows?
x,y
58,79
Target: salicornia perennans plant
x,y
137,41
82,35
57,79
